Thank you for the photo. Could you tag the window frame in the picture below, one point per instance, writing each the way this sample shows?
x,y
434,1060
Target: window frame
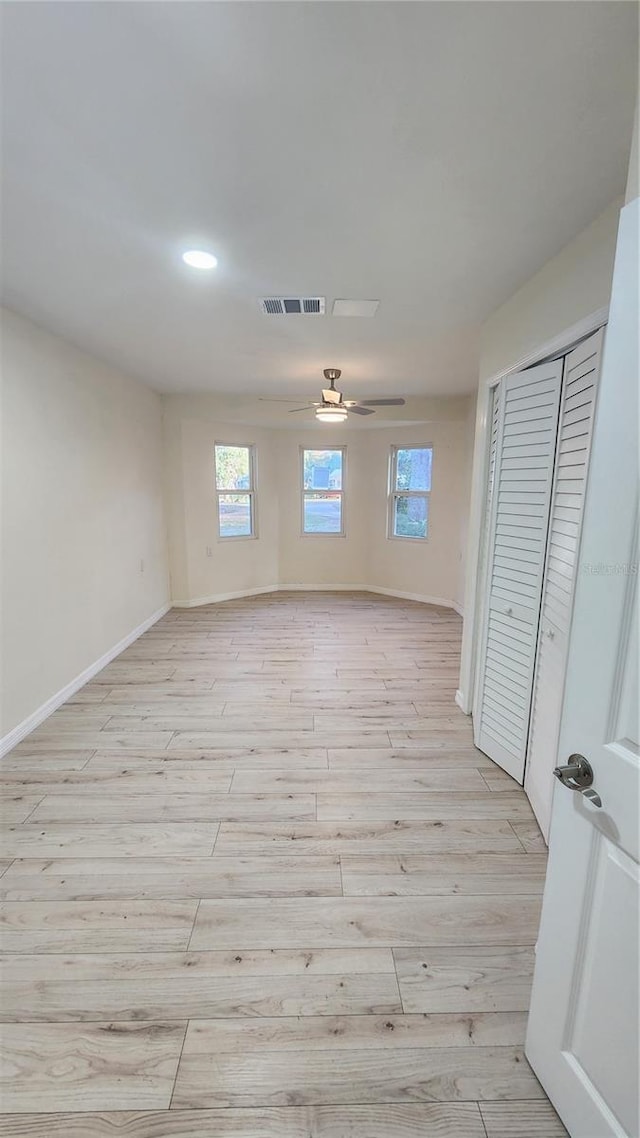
x,y
393,493
251,492
317,493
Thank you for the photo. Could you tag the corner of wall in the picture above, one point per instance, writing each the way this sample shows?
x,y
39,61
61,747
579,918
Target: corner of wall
x,y
174,503
633,176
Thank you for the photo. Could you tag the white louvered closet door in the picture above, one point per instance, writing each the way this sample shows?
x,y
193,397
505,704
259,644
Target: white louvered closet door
x,y
522,481
577,410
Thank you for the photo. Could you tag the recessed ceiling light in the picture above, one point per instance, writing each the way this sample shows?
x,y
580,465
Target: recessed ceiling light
x,y
199,259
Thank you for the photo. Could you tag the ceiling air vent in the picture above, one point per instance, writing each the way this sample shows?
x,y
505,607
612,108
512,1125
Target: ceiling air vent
x,y
292,305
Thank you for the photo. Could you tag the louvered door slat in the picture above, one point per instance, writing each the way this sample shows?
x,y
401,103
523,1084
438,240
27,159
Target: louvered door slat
x,y
520,586
516,559
514,538
522,509
522,478
504,624
499,684
536,442
534,387
562,540
574,436
524,416
575,443
576,430
496,693
517,403
530,462
581,398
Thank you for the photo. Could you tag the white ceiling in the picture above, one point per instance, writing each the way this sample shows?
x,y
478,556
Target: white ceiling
x,y
429,155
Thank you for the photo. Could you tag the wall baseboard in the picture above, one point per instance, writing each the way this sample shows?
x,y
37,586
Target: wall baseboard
x,y
215,598
356,588
422,598
18,733
461,701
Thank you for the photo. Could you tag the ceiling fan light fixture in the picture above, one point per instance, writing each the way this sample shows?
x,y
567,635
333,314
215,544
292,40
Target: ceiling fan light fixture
x,y
328,414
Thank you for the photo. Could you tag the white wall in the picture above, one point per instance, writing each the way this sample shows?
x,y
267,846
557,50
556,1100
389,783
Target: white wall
x,y
567,288
318,559
432,568
633,175
192,429
82,510
281,555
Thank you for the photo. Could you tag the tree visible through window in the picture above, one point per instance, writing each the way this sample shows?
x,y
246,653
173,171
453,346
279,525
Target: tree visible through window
x,y
323,491
410,485
235,488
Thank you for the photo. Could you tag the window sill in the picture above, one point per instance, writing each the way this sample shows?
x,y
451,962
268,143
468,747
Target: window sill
x,y
398,537
237,537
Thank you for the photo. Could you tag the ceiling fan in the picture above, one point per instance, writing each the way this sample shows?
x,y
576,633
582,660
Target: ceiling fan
x,y
333,408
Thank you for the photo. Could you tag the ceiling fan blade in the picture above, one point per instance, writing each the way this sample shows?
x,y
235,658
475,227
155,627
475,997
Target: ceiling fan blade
x,y
309,407
383,402
360,411
277,399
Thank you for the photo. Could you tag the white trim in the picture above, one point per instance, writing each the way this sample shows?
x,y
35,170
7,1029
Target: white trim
x,y
563,341
423,598
17,734
560,344
460,700
304,493
393,493
214,598
250,492
297,587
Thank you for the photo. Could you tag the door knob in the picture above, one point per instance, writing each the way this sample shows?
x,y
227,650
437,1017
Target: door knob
x,y
593,797
577,774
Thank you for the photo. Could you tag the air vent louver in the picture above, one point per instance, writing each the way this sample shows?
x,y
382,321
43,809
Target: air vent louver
x,y
293,305
272,307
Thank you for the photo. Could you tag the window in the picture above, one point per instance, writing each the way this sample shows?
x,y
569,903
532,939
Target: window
x,y
323,491
236,490
410,484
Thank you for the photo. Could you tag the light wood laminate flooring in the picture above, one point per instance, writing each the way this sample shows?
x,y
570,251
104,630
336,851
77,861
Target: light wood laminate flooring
x,y
257,882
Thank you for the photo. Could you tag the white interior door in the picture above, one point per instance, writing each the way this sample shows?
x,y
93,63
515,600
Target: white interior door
x,y
522,480
579,387
583,1030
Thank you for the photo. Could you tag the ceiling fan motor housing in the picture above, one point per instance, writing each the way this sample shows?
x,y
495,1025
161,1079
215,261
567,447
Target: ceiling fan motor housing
x,y
330,395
